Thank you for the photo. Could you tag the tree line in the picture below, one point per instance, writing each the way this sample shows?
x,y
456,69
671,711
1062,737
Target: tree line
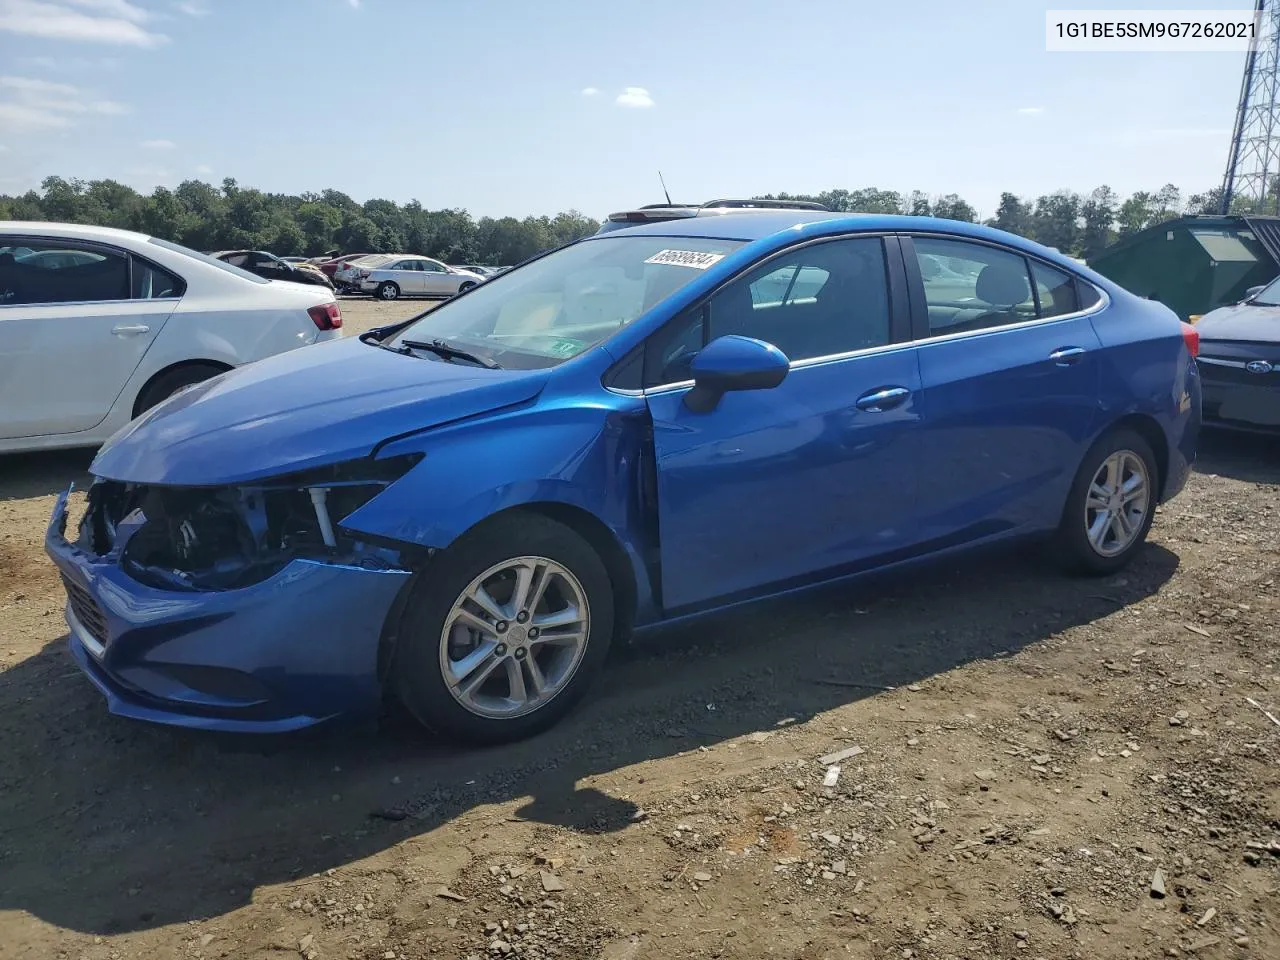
x,y
205,217
1079,225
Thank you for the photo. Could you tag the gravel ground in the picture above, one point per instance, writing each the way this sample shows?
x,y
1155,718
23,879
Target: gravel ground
x,y
1031,767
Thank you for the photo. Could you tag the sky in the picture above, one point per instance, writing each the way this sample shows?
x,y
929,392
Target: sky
x,y
512,107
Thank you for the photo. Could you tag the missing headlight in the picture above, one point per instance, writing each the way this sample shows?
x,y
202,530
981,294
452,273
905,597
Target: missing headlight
x,y
223,538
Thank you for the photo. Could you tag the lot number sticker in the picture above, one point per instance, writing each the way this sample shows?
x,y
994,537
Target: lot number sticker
x,y
686,258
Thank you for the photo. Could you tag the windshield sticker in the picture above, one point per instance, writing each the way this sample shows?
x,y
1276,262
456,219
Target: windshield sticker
x,y
686,258
566,348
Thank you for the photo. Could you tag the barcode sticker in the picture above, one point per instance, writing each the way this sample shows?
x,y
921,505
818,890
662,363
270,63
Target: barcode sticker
x,y
686,258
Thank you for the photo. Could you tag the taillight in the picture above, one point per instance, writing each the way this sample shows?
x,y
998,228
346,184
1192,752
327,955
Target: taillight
x,y
326,316
1191,336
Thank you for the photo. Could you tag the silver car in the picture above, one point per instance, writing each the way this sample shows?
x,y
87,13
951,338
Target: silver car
x,y
416,277
349,275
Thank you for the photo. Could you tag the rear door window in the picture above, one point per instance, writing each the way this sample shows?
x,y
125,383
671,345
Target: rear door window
x,y
41,271
972,286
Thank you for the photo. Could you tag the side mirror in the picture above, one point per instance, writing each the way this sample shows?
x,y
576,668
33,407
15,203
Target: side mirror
x,y
733,363
1254,291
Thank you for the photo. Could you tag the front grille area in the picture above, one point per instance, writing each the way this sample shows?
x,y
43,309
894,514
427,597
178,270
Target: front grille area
x,y
1219,373
86,610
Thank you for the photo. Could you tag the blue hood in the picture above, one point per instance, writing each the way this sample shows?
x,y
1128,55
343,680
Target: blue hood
x,y
306,408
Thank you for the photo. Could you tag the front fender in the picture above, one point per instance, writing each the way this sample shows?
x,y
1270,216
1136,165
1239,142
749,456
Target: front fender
x,y
590,458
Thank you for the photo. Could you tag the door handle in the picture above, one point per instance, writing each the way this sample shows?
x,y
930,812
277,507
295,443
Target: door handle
x,y
1067,356
886,398
130,329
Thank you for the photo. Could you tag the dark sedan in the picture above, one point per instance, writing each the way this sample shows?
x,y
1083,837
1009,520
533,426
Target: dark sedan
x,y
270,267
1240,363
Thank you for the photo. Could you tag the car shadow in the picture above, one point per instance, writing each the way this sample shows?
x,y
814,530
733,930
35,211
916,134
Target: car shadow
x,y
1249,457
108,826
41,474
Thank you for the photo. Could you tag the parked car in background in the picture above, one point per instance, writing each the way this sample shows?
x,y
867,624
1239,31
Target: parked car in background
x,y
347,276
270,267
99,325
480,271
465,509
330,265
295,259
1240,362
415,277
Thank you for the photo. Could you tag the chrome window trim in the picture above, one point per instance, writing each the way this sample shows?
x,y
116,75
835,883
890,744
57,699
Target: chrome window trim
x,y
1104,301
1036,322
90,303
1104,298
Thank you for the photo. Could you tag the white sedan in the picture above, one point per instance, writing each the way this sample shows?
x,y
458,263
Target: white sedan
x,y
98,325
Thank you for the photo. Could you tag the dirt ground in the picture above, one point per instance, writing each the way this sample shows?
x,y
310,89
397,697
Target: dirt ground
x,y
1030,761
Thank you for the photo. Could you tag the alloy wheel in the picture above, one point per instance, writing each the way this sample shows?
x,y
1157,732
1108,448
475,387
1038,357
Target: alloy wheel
x,y
1117,502
515,637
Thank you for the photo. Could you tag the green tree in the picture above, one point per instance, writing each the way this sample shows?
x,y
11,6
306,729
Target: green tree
x,y
1135,213
1099,214
1012,216
952,207
1055,221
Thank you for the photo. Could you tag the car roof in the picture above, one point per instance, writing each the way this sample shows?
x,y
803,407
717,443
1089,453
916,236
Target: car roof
x,y
75,231
781,224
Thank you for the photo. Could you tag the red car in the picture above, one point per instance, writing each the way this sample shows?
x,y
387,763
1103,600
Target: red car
x,y
330,267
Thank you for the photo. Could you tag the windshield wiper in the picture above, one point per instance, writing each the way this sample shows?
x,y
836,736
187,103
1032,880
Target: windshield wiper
x,y
442,349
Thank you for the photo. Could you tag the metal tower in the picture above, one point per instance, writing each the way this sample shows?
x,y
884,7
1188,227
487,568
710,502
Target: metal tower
x,y
1254,164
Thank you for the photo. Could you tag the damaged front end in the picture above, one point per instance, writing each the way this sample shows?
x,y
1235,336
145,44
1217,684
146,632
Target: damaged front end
x,y
232,537
238,608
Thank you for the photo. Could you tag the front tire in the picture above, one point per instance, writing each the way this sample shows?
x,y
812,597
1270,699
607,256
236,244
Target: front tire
x,y
388,291
1111,505
463,288
504,632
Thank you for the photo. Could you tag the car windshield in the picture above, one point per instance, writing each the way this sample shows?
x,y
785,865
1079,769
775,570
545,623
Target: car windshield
x,y
561,305
212,261
1269,296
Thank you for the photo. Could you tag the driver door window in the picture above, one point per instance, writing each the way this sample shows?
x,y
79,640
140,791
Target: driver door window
x,y
819,300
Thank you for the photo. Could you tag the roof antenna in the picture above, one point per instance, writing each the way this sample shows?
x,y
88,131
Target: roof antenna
x,y
664,188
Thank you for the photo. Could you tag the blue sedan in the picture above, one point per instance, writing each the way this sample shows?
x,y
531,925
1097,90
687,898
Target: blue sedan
x,y
464,510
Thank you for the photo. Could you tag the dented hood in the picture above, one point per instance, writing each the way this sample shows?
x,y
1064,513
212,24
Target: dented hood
x,y
306,408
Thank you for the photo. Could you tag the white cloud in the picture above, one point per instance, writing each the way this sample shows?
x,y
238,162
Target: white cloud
x,y
31,87
192,8
94,21
1030,111
157,144
354,4
32,103
590,91
635,97
204,168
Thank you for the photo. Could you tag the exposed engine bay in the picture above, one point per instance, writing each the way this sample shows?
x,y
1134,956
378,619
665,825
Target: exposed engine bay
x,y
225,538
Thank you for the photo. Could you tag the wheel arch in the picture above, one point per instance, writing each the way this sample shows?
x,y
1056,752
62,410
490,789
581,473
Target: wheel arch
x,y
583,522
219,365
1150,430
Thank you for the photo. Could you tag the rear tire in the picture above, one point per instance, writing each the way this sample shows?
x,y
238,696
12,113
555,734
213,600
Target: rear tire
x,y
388,291
171,381
1110,506
440,669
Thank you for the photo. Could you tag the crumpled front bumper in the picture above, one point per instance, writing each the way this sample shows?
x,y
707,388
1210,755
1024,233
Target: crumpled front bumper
x,y
289,652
